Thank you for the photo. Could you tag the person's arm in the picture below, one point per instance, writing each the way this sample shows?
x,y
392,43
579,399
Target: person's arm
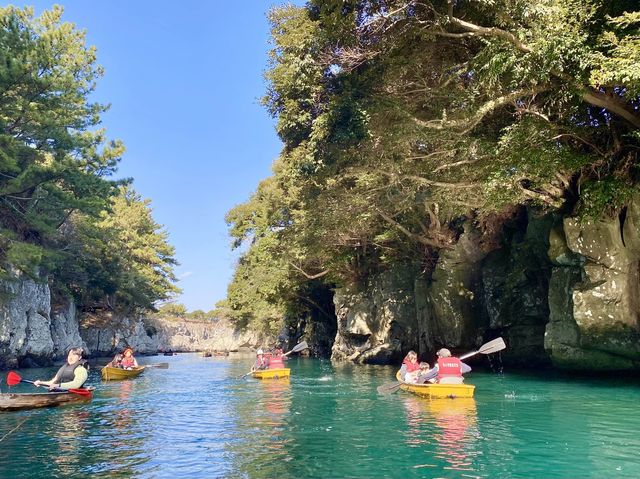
x,y
79,378
403,371
464,368
135,363
431,373
48,383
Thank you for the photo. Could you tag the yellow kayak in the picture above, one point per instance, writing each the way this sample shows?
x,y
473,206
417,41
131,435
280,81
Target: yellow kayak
x,y
109,373
437,390
271,373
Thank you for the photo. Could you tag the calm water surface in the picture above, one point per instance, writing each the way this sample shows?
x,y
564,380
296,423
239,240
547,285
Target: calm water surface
x,y
196,419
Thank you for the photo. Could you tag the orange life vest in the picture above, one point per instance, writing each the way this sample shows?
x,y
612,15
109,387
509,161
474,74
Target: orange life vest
x,y
449,368
276,362
411,367
127,362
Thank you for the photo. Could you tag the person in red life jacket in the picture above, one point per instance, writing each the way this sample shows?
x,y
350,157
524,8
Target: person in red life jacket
x,y
72,375
409,364
280,352
128,361
261,361
277,359
449,369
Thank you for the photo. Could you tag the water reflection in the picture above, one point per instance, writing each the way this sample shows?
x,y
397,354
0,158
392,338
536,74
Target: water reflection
x,y
265,412
68,430
446,428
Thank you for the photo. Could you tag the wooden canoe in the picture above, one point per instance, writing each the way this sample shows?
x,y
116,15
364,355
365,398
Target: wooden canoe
x,y
437,390
271,373
17,401
109,373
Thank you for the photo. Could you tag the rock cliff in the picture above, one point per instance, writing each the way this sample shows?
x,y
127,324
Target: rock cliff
x,y
560,291
33,332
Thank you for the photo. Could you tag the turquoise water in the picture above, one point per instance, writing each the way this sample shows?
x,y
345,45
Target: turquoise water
x,y
196,419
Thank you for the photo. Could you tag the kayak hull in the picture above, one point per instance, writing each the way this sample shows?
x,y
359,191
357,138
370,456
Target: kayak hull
x,y
109,373
18,401
437,390
272,373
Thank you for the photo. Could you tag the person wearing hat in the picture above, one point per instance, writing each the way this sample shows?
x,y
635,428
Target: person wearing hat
x,y
128,361
448,370
261,361
72,375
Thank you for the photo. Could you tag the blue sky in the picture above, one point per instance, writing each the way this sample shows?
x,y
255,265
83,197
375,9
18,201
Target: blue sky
x,y
184,81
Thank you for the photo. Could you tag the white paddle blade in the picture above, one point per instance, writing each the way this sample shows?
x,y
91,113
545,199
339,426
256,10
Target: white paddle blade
x,y
493,346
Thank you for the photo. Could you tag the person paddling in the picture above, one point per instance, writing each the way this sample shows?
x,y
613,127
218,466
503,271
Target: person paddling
x,y
276,361
261,361
72,375
128,361
448,370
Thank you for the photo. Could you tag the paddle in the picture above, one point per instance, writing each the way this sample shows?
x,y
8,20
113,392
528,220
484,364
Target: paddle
x,y
159,365
14,378
487,348
298,347
492,346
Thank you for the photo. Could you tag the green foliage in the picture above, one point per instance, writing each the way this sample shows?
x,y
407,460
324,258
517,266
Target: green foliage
x,y
175,310
123,257
402,120
605,197
618,61
60,214
51,162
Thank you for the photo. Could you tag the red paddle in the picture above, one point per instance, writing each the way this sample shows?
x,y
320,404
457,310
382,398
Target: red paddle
x,y
14,378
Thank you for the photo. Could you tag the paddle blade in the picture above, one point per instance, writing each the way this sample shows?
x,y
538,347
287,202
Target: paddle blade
x,y
388,388
13,378
492,346
298,347
159,366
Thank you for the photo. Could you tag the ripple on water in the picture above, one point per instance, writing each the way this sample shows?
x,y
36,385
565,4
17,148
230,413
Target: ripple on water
x,y
196,419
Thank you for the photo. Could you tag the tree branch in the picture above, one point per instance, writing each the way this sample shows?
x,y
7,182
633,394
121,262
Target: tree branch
x,y
613,104
469,123
417,238
309,276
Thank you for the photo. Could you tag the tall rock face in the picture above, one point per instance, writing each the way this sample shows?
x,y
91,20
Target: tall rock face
x,y
25,324
34,332
317,322
65,332
400,309
376,321
561,292
452,316
515,290
595,304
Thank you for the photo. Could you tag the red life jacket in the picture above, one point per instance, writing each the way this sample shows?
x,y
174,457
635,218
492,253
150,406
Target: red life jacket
x,y
276,362
449,368
411,367
127,362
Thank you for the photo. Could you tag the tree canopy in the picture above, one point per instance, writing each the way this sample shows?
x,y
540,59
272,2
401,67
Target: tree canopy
x,y
61,213
403,119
